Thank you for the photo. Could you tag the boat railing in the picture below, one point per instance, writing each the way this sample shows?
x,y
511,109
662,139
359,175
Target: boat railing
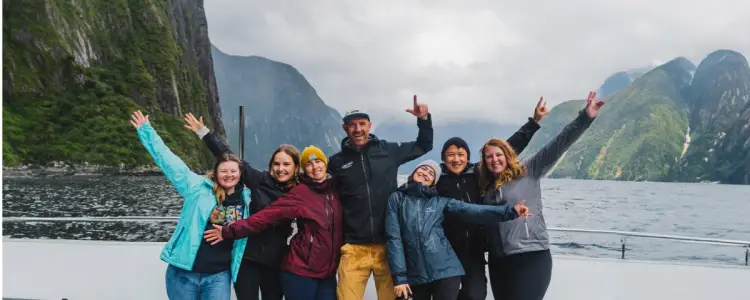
x,y
622,234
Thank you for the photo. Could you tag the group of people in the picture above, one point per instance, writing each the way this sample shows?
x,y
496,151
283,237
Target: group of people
x,y
425,239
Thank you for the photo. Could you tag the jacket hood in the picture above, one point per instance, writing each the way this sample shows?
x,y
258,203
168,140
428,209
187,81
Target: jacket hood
x,y
320,187
469,169
346,145
417,189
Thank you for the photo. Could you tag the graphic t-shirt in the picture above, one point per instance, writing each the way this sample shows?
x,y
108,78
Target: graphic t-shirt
x,y
217,258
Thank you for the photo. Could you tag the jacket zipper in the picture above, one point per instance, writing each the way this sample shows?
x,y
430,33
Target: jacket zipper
x,y
369,202
331,229
419,233
466,241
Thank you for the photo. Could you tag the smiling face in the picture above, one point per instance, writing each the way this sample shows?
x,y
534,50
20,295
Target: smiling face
x,y
282,167
495,160
455,159
316,169
358,130
228,174
424,175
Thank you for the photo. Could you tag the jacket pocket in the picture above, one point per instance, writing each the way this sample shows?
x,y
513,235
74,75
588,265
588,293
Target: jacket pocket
x,y
309,250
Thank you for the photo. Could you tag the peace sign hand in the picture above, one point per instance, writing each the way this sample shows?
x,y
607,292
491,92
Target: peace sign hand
x,y
540,111
592,108
419,110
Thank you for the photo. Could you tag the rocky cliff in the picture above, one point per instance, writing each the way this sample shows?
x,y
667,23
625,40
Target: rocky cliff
x,y
281,107
74,71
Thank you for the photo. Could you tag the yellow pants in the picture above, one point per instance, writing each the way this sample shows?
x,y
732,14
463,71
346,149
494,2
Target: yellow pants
x,y
357,262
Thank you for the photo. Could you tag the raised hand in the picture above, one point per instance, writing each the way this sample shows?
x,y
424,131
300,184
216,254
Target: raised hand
x,y
592,108
213,235
522,210
541,110
419,110
137,119
192,123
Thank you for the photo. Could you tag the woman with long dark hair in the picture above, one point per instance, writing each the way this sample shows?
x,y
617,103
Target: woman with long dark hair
x,y
260,267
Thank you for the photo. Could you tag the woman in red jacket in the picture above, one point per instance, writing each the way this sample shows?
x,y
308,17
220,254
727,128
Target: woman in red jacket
x,y
309,268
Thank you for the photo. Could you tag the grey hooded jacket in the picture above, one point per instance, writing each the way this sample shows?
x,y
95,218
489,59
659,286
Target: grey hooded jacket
x,y
507,238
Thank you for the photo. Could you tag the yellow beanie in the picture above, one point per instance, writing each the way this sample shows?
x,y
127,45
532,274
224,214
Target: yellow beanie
x,y
311,153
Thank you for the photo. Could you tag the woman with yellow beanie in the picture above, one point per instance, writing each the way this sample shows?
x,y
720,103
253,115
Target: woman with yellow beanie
x,y
309,268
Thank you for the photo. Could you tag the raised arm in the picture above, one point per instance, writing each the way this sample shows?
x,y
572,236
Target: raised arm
x,y
394,245
408,151
540,163
176,171
287,207
519,140
480,214
251,177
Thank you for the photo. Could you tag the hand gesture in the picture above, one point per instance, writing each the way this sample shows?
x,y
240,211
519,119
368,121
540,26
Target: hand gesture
x,y
419,110
522,210
192,123
592,108
213,235
540,111
137,119
403,291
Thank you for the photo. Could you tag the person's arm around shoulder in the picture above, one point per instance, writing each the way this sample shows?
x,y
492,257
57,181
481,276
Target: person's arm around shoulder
x,y
408,151
519,140
174,169
545,158
482,214
251,176
285,208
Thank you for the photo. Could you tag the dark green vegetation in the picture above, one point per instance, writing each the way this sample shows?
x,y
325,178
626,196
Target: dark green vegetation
x,y
641,133
74,71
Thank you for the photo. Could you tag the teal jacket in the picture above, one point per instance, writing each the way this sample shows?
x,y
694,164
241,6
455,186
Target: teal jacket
x,y
197,191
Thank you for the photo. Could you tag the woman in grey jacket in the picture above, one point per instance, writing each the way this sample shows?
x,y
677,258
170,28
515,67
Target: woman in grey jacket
x,y
520,264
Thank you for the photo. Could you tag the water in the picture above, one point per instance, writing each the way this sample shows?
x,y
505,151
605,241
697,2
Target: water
x,y
698,210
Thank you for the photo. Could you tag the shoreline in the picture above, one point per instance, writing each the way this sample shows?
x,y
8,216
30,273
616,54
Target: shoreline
x,y
61,169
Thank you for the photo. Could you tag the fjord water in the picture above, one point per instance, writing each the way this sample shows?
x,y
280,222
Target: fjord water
x,y
690,209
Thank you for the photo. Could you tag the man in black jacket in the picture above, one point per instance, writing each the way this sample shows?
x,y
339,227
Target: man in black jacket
x,y
460,180
366,171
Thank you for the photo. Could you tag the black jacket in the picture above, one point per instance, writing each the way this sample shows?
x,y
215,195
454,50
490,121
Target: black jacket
x,y
268,246
367,177
468,240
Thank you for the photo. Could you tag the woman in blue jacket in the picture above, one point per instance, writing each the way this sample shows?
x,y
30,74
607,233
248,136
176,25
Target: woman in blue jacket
x,y
197,269
422,261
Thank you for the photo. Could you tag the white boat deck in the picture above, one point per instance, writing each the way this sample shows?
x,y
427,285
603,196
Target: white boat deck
x,y
80,270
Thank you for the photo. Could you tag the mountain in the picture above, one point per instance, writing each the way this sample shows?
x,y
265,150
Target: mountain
x,y
619,80
675,123
74,71
281,107
719,98
637,135
475,133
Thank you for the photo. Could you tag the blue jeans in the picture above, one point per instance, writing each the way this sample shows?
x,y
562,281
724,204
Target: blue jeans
x,y
188,285
297,287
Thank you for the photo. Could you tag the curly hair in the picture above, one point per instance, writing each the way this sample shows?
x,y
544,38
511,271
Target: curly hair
x,y
219,191
513,170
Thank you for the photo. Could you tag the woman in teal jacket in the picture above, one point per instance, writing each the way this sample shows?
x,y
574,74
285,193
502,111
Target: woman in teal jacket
x,y
422,261
197,269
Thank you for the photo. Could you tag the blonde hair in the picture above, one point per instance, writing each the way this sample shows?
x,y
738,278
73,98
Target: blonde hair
x,y
219,191
513,169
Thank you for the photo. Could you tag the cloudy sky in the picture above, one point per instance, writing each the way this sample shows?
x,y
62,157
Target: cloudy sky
x,y
475,59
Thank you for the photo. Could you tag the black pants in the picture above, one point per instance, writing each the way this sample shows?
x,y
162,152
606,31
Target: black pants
x,y
474,283
442,289
523,276
254,276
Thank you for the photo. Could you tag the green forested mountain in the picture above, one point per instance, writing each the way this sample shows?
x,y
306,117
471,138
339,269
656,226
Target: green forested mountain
x,y
74,71
666,125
